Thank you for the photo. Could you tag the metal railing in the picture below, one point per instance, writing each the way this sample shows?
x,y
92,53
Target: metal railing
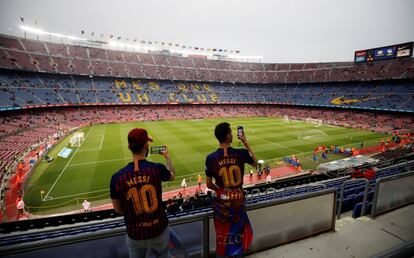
x,y
341,193
296,203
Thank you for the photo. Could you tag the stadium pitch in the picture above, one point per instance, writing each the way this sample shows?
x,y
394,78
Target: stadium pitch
x,y
85,174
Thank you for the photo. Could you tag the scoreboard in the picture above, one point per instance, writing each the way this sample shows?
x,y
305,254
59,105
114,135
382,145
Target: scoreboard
x,y
382,53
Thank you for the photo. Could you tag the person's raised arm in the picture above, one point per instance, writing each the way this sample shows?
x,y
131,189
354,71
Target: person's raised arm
x,y
169,163
246,144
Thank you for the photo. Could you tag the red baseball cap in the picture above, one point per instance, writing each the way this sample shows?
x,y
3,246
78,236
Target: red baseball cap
x,y
138,137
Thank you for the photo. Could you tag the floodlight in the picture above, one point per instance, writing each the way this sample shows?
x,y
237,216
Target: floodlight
x,y
32,30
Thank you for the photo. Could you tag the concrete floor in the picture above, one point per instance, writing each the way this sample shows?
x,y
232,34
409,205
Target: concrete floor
x,y
362,237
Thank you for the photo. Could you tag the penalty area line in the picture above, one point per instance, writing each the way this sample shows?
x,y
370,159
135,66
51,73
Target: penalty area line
x,y
67,164
73,195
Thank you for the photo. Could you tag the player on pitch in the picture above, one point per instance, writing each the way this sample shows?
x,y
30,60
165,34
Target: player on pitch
x,y
226,167
136,193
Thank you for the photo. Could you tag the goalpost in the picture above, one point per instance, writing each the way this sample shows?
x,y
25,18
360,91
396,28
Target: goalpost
x,y
77,139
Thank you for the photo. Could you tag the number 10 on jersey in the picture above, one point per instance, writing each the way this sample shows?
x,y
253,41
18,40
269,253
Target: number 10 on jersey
x,y
140,199
231,176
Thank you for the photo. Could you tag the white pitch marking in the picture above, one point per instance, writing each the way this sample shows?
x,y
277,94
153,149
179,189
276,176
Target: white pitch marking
x,y
66,196
67,164
100,146
322,132
276,144
95,149
97,162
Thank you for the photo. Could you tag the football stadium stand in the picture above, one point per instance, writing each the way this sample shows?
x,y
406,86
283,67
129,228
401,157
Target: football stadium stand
x,y
48,89
26,89
38,56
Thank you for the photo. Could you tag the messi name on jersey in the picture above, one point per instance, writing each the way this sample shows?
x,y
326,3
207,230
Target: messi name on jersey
x,y
138,180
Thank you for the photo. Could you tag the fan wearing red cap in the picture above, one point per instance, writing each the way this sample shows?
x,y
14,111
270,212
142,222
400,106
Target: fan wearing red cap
x,y
136,193
138,138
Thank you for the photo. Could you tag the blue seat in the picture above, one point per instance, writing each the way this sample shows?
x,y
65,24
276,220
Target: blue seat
x,y
347,203
370,195
349,192
358,198
278,195
356,212
360,189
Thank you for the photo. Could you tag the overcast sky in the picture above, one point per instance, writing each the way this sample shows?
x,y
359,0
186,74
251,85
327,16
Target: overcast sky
x,y
280,31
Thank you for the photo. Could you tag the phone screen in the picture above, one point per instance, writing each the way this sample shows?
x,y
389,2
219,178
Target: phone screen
x,y
240,131
157,149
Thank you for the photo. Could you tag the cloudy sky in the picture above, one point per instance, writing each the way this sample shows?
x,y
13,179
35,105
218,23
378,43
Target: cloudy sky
x,y
280,31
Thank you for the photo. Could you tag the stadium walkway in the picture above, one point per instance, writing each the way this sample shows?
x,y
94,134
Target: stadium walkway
x,y
362,237
275,173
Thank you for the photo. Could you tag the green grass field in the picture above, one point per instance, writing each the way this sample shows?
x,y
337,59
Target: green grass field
x,y
87,171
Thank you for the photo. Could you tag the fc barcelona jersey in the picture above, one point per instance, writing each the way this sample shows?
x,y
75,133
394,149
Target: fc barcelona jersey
x,y
233,230
140,195
228,170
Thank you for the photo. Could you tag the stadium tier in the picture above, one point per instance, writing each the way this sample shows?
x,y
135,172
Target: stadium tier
x,y
38,56
49,91
27,89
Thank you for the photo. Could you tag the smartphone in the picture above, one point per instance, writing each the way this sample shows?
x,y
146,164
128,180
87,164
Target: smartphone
x,y
240,132
157,149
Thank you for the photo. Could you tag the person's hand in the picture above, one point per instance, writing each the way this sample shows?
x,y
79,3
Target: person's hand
x,y
243,139
165,152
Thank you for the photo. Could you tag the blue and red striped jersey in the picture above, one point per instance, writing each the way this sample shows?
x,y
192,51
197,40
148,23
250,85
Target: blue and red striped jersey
x,y
228,170
140,194
233,230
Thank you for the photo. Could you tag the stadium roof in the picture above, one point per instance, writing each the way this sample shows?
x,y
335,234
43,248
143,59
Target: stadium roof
x,y
281,31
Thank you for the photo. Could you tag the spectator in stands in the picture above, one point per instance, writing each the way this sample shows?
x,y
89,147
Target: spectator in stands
x,y
187,204
226,167
267,169
208,199
20,207
199,180
268,178
325,154
86,205
184,184
136,191
370,173
357,173
172,207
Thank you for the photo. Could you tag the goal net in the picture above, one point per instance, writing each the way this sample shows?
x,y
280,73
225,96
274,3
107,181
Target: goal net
x,y
314,121
77,139
286,118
